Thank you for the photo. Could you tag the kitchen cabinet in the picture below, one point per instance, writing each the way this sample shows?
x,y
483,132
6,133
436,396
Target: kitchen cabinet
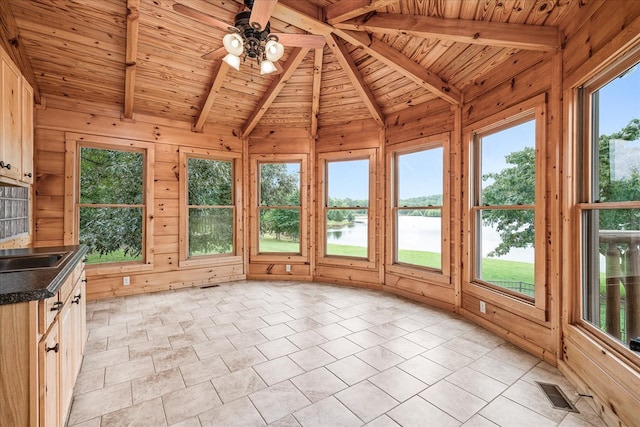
x,y
16,124
41,344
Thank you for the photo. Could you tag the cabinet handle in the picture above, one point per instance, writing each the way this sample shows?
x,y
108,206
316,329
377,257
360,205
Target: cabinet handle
x,y
76,299
84,280
5,165
28,175
54,348
57,306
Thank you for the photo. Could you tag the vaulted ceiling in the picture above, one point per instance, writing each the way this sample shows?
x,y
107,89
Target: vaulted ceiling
x,y
379,56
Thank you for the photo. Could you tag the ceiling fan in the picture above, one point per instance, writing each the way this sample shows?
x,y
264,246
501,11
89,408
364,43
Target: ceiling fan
x,y
251,36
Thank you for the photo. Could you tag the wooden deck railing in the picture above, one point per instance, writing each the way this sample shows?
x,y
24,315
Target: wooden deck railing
x,y
622,269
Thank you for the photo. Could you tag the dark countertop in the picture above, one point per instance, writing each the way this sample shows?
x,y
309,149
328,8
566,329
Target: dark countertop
x,y
39,283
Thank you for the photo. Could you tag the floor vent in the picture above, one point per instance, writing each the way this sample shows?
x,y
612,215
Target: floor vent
x,y
208,286
556,397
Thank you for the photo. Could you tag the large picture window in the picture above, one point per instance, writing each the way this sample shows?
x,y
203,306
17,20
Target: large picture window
x,y
610,202
507,250
112,203
417,206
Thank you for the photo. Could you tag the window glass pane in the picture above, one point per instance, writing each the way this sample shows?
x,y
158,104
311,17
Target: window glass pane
x,y
616,116
347,232
110,176
348,183
613,278
420,178
210,231
504,256
112,234
210,182
280,184
279,230
507,166
419,237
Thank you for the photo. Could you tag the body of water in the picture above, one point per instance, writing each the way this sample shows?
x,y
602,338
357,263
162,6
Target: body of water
x,y
422,233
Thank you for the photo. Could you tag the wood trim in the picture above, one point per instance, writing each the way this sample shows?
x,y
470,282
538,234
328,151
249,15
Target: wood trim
x,y
318,57
346,9
219,74
131,56
468,31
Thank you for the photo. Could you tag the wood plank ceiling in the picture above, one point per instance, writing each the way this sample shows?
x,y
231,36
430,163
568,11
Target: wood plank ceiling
x,y
380,56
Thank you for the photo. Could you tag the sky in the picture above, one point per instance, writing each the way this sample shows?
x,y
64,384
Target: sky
x,y
421,173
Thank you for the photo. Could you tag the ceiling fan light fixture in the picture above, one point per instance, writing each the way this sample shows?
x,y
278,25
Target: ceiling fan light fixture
x,y
273,50
267,67
233,43
233,61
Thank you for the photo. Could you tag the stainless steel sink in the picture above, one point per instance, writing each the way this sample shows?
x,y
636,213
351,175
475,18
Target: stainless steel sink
x,y
13,263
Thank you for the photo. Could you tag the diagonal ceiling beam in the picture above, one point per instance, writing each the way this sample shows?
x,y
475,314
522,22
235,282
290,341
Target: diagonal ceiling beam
x,y
299,19
347,9
315,91
131,55
219,73
293,62
502,34
352,72
13,45
405,66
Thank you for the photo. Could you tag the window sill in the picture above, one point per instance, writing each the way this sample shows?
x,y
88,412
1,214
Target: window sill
x,y
210,261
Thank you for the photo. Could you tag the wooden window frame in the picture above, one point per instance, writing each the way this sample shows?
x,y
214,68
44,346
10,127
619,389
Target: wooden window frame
x,y
235,256
254,220
73,143
537,309
443,275
336,260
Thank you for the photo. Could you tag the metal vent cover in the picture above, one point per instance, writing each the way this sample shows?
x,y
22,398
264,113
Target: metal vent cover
x,y
556,397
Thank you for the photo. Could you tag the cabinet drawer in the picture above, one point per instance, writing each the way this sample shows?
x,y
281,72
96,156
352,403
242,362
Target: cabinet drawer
x,y
67,287
48,309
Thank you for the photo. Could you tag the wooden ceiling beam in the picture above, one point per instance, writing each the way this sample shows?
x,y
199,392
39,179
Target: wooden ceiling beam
x,y
353,74
293,62
402,64
131,56
13,45
315,91
219,73
347,9
502,34
286,11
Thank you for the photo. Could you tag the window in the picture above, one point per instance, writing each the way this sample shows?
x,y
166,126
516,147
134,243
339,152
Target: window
x,y
417,206
507,214
610,201
346,206
279,207
208,206
112,202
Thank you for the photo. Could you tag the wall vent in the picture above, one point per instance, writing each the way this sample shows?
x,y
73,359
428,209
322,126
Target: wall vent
x,y
556,397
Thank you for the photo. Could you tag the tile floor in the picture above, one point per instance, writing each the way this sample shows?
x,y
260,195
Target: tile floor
x,y
303,354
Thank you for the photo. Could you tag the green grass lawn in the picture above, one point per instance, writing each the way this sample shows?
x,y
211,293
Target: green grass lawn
x,y
117,256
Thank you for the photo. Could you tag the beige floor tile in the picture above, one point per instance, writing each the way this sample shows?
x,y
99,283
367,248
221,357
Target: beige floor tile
x,y
477,383
388,331
277,348
277,370
355,324
287,421
164,331
508,353
366,400
250,324
403,347
416,411
424,369
174,358
99,402
306,339
106,331
203,370
332,331
326,318
127,339
311,358
247,339
156,385
186,339
351,370
453,400
467,347
149,348
327,412
303,324
90,423
382,421
479,421
318,384
398,384
243,358
498,370
238,413
189,422
237,384
278,401
186,403
127,371
425,339
277,331
215,347
104,359
143,324
89,381
409,325
366,339
503,412
145,414
448,358
341,348
531,396
379,357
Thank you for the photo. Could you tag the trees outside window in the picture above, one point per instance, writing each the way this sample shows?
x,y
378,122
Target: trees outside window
x,y
609,205
112,204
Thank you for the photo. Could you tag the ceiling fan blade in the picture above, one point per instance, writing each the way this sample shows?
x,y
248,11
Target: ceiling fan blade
x,y
312,41
200,16
215,54
261,12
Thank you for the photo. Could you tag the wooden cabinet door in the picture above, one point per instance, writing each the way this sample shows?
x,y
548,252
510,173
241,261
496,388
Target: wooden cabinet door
x,y
10,121
27,133
67,356
49,351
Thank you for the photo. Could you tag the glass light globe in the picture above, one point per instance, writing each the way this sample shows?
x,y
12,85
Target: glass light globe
x,y
233,61
273,50
233,44
267,67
